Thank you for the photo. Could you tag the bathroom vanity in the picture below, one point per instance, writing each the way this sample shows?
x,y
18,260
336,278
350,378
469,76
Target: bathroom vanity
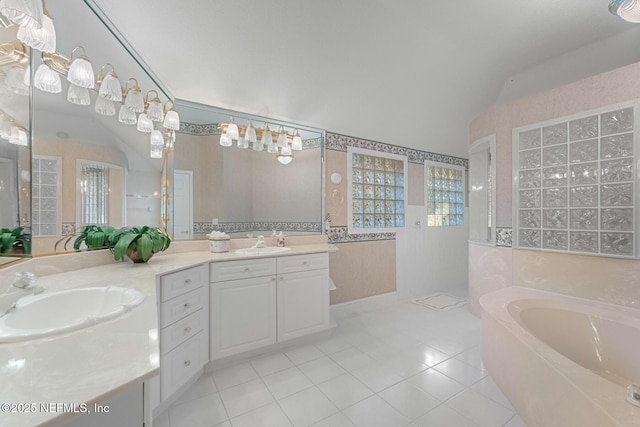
x,y
199,309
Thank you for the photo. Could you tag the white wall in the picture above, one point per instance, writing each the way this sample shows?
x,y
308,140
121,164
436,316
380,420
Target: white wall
x,y
142,199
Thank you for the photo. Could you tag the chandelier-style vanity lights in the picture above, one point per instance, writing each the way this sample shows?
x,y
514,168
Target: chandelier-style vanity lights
x,y
629,10
280,143
37,31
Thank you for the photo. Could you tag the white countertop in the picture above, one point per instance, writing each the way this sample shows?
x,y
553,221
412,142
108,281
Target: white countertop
x,y
91,364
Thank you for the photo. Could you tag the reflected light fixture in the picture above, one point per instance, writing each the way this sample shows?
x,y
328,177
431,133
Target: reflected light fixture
x,y
225,141
133,99
250,133
296,142
242,142
144,123
109,85
171,117
105,107
628,10
154,107
232,130
126,116
285,157
47,80
43,39
282,137
267,137
78,95
80,71
5,130
26,13
156,138
155,151
15,81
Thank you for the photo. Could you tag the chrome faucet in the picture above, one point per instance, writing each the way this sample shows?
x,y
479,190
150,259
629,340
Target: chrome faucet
x,y
260,243
24,284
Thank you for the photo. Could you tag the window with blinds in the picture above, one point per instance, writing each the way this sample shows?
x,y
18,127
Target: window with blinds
x,y
94,193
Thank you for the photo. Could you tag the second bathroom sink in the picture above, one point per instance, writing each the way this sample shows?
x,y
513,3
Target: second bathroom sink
x,y
269,250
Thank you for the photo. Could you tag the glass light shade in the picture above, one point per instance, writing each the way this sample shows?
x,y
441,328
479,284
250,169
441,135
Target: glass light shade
x,y
258,146
225,141
285,151
110,88
47,80
15,81
13,135
232,130
272,148
127,116
134,101
26,13
81,73
284,159
156,138
43,39
267,138
250,133
296,143
154,111
105,107
78,95
144,123
171,120
242,143
282,137
156,151
5,130
18,137
629,10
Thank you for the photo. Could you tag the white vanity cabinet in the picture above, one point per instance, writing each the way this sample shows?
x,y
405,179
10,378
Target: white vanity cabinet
x,y
261,301
183,326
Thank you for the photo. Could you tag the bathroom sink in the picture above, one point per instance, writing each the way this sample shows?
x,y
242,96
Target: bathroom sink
x,y
270,250
52,313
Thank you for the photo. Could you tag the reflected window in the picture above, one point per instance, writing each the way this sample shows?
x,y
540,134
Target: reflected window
x,y
94,193
445,194
45,177
377,190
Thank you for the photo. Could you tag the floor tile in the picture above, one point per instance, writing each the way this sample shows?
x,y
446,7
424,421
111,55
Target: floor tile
x,y
436,384
472,357
333,344
267,416
202,412
224,424
245,397
352,359
375,412
271,363
303,354
377,377
443,416
426,355
321,370
203,386
411,401
487,387
234,375
162,420
307,407
460,371
344,390
287,382
516,421
447,346
405,366
335,420
480,409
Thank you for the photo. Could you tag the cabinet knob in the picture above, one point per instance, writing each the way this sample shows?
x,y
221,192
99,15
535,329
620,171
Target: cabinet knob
x,y
187,363
280,278
187,304
187,329
187,281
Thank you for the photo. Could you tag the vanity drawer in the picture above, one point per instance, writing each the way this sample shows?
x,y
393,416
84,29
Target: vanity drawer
x,y
182,330
183,305
181,364
242,269
290,264
181,282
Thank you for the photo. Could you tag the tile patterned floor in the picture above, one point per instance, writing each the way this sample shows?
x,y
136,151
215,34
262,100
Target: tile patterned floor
x,y
400,365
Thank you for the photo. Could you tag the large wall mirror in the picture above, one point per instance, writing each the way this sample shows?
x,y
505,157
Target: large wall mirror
x,y
229,186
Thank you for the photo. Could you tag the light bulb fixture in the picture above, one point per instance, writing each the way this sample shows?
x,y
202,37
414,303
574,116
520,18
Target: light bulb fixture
x,y
242,143
15,81
80,71
232,130
78,95
18,137
144,123
133,99
127,116
285,156
267,137
282,137
225,141
5,130
629,10
105,107
26,13
296,142
171,117
272,148
109,85
155,151
250,133
154,107
43,39
47,80
257,146
156,138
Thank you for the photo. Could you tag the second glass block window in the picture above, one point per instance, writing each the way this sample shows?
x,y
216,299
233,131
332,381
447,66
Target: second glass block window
x,y
377,182
444,194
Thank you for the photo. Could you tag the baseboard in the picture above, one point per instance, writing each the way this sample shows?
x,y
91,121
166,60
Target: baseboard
x,y
363,304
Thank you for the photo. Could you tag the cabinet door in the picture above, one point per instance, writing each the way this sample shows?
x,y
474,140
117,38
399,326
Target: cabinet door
x,y
303,303
243,315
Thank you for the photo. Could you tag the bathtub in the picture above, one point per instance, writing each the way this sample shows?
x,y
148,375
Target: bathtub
x,y
560,360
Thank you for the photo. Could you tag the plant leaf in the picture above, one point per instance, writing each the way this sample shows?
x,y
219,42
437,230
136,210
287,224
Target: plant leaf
x,y
122,245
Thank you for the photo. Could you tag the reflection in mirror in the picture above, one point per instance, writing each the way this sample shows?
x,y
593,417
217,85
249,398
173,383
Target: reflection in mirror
x,y
223,183
15,202
90,163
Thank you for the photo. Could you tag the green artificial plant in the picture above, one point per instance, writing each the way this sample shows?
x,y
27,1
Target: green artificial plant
x,y
14,241
138,243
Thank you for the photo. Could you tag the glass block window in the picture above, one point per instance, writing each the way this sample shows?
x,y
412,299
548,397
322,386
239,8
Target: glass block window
x,y
575,184
377,190
94,193
444,194
45,176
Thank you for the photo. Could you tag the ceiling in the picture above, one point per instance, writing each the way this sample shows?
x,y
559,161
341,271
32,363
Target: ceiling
x,y
411,73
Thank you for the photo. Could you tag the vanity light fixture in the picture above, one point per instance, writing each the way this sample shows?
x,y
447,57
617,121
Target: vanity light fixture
x,y
43,38
267,137
154,107
250,133
78,95
282,137
26,13
285,156
296,142
144,123
232,130
5,130
109,85
225,141
47,80
171,117
80,71
155,151
133,98
156,138
272,148
628,10
18,137
127,116
105,107
242,142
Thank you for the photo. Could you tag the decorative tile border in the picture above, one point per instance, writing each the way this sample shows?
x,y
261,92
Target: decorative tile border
x,y
68,228
239,227
334,141
504,236
341,235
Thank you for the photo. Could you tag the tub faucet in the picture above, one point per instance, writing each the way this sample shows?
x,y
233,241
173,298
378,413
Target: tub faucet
x,y
260,243
633,394
24,283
